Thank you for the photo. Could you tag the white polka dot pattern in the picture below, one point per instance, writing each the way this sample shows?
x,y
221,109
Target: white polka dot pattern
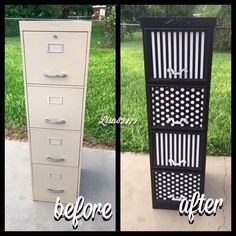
x,y
175,186
177,106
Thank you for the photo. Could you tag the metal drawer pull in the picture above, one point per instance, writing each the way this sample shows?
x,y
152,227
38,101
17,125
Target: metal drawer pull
x,y
177,122
53,75
170,70
50,190
54,121
49,158
175,163
176,198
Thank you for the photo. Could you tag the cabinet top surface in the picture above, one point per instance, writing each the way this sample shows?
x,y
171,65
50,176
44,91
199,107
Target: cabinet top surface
x,y
181,22
55,25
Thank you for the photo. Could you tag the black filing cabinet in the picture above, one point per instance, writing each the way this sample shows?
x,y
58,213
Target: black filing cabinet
x,y
177,59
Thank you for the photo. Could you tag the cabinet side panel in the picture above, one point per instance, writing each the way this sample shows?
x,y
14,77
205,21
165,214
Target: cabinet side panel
x,y
26,100
84,104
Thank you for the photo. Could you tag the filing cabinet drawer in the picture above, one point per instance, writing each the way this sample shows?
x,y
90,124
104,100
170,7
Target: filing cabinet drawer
x,y
55,65
177,106
178,150
174,186
52,181
177,60
57,58
55,147
178,54
56,108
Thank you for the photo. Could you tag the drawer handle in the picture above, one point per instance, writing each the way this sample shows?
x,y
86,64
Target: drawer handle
x,y
54,121
55,75
180,122
176,198
170,70
176,163
49,158
51,190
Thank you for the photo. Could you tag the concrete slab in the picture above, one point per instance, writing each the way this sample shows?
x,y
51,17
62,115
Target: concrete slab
x,y
23,214
136,206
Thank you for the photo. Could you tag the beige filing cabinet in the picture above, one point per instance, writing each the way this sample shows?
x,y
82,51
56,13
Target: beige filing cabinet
x,y
55,64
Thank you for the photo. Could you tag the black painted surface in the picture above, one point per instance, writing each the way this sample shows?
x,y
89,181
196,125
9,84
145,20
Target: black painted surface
x,y
177,104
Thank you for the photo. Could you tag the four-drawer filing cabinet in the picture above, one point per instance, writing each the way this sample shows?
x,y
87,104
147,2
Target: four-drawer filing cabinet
x,y
177,59
55,64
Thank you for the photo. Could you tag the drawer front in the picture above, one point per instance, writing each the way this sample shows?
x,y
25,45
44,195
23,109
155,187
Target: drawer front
x,y
56,108
55,57
178,54
55,147
174,186
178,106
53,181
178,150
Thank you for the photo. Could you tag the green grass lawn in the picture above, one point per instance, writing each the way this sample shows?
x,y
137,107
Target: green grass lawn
x,y
100,98
133,100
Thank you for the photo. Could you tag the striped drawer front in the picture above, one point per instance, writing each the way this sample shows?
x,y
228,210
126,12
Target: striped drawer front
x,y
178,55
175,106
178,149
174,186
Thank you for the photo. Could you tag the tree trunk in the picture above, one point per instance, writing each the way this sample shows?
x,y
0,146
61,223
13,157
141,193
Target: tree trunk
x,y
65,11
168,10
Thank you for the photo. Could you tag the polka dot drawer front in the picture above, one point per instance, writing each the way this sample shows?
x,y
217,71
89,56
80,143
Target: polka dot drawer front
x,y
174,186
178,149
175,106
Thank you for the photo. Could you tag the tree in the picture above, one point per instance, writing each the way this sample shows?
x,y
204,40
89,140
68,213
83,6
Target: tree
x,y
168,10
132,13
224,15
65,11
47,11
181,10
109,25
156,10
82,10
28,11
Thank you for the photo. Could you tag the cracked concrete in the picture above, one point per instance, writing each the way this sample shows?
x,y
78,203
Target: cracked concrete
x,y
136,208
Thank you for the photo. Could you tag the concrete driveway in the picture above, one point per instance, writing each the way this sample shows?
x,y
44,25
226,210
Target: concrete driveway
x,y
98,185
136,206
23,214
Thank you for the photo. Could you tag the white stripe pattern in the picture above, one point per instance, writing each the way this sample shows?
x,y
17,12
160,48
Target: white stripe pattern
x,y
178,55
177,149
154,56
159,54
